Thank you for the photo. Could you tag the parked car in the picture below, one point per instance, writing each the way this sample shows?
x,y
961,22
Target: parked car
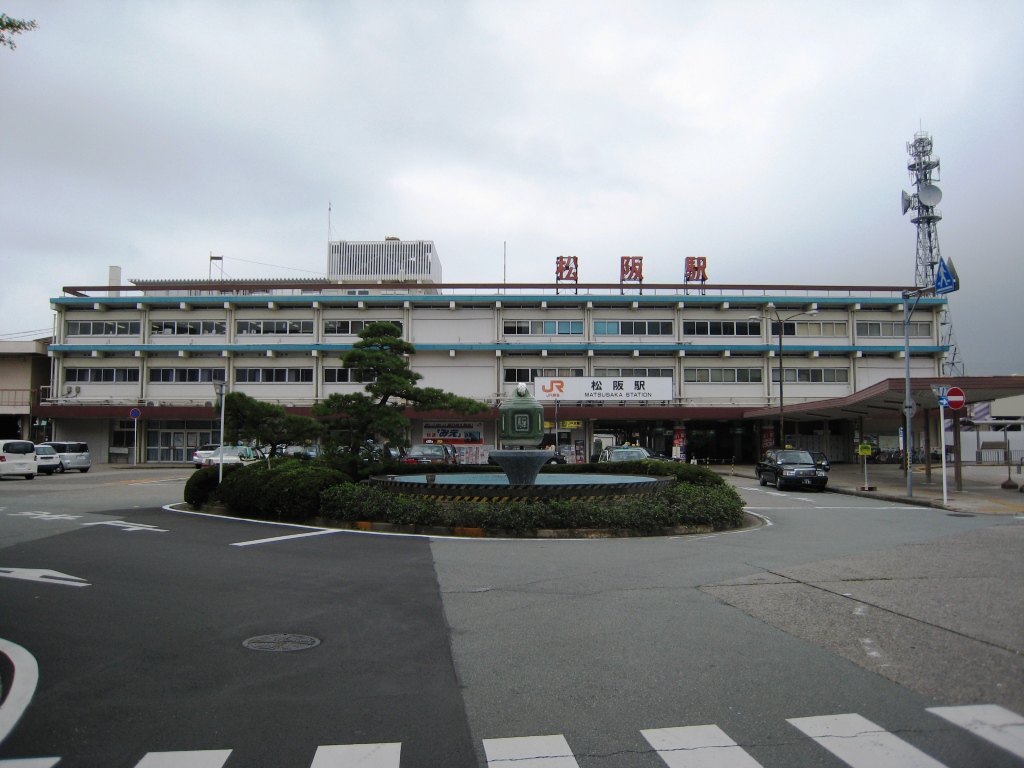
x,y
234,454
202,452
821,460
433,453
790,468
624,453
73,455
47,460
18,457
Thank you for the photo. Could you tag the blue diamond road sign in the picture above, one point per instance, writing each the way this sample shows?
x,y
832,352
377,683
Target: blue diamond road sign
x,y
944,280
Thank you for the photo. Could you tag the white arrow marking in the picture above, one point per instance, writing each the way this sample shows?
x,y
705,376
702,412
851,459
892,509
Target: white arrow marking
x,y
23,687
129,526
46,577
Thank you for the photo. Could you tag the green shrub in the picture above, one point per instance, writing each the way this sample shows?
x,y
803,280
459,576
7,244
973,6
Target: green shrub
x,y
680,504
289,490
201,487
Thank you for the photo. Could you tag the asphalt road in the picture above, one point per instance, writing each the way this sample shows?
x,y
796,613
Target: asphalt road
x,y
532,654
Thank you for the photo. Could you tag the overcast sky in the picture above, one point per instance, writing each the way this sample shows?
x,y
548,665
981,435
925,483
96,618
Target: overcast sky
x,y
768,137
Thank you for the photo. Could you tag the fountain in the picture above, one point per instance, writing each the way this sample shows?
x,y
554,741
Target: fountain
x,y
521,427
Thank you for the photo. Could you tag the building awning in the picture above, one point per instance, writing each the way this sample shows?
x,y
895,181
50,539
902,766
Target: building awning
x,y
885,399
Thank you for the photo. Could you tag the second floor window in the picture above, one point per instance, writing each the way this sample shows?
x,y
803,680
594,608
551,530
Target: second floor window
x,y
543,327
104,327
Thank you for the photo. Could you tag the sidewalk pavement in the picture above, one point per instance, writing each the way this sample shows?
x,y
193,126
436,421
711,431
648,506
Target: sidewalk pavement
x,y
982,493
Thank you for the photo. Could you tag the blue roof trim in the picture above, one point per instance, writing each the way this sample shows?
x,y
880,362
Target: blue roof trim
x,y
217,302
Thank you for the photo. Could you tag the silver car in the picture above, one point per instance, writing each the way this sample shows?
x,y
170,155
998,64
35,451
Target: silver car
x,y
234,454
73,455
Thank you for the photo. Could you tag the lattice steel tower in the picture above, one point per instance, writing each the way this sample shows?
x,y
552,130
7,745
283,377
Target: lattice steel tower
x,y
924,171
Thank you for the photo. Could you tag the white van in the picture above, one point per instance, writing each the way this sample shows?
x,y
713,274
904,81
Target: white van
x,y
18,457
73,455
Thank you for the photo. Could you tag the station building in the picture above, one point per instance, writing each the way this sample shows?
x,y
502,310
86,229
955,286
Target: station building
x,y
690,368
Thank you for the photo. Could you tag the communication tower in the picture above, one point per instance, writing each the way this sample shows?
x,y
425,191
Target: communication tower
x,y
924,172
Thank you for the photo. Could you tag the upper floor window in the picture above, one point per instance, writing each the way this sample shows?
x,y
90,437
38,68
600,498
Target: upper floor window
x,y
186,375
347,376
101,375
666,373
918,330
273,375
721,328
813,375
543,327
353,327
516,375
273,327
722,375
104,327
187,327
813,328
633,328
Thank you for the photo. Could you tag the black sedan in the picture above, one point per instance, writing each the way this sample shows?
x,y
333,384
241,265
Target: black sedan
x,y
790,468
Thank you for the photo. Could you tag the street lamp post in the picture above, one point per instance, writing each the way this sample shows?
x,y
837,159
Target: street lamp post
x,y
221,389
770,307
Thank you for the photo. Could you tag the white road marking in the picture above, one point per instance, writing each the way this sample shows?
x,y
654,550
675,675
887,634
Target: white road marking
x,y
869,648
530,752
23,686
43,515
206,758
30,762
993,723
698,746
284,538
861,744
126,526
358,756
860,610
43,575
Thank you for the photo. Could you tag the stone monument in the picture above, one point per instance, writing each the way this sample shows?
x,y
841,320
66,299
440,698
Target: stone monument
x,y
521,425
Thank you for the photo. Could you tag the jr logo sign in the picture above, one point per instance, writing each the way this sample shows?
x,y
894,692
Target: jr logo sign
x,y
554,388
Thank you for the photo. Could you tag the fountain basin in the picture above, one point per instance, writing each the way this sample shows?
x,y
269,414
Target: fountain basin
x,y
494,486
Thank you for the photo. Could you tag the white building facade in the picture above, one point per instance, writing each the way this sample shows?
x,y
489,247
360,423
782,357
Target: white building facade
x,y
703,357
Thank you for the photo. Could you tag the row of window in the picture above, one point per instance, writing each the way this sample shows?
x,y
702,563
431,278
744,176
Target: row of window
x,y
918,330
813,375
633,328
814,328
666,373
526,375
543,327
186,375
352,327
104,328
274,375
723,375
721,328
188,328
273,327
98,375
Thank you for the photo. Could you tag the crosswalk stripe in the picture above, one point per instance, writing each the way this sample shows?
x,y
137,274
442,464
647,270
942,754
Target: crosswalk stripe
x,y
30,762
358,756
698,746
530,752
204,758
990,722
861,744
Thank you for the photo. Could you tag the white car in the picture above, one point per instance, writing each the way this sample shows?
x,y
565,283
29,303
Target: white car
x,y
202,452
47,460
234,454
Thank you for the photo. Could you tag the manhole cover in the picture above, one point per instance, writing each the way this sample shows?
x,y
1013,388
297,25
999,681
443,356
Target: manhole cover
x,y
958,514
281,642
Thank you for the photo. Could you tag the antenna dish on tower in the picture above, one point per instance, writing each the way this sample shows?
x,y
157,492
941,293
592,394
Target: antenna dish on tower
x,y
929,195
908,201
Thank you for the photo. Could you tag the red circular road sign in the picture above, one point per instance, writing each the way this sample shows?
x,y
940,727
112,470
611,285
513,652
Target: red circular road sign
x,y
956,398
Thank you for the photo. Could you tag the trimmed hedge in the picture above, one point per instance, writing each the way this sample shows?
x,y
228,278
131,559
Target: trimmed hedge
x,y
289,490
202,485
680,504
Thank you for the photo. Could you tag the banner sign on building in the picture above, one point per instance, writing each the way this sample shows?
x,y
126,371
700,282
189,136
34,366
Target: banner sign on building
x,y
631,270
453,432
582,388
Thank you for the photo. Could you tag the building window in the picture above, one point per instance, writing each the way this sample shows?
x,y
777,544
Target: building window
x,y
813,375
722,375
188,327
813,328
123,434
101,375
347,376
273,327
721,328
526,375
887,330
273,375
543,327
104,327
665,373
352,327
186,375
633,328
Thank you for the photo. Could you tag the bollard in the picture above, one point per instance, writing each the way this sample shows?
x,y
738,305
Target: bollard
x,y
732,471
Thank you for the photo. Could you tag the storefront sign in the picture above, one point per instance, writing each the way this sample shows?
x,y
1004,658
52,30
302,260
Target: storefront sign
x,y
581,388
562,424
453,432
